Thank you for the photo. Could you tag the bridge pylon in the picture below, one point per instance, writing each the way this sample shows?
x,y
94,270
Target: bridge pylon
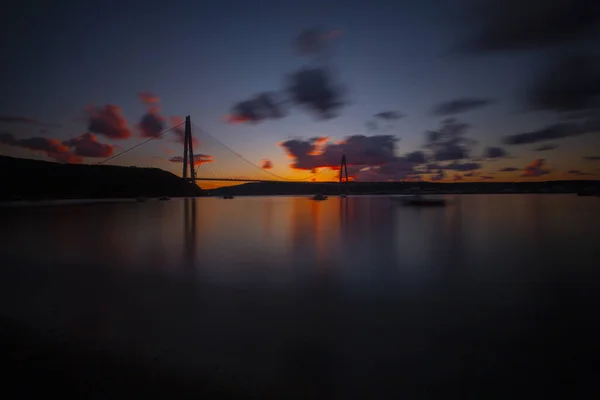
x,y
343,170
188,152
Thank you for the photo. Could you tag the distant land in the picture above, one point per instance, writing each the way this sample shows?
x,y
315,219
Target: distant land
x,y
25,179
365,188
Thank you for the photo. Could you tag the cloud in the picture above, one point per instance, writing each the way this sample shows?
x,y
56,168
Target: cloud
x,y
389,115
574,172
199,159
417,157
459,106
462,166
313,41
439,176
509,169
486,177
457,177
15,119
570,84
312,88
556,131
592,158
508,25
546,147
152,124
53,148
471,174
108,121
87,145
263,106
370,158
536,168
371,125
148,98
495,152
359,150
449,143
266,164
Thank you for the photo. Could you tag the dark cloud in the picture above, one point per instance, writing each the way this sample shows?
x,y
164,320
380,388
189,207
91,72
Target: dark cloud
x,y
417,157
14,119
546,147
471,174
152,124
457,177
486,177
87,145
574,172
262,106
53,148
359,150
370,158
463,166
389,115
592,158
569,84
556,131
313,41
108,121
509,169
266,164
371,125
495,152
449,143
536,168
199,159
504,25
313,89
459,106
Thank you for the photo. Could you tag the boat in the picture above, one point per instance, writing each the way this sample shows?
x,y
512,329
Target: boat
x,y
319,197
343,196
228,196
164,198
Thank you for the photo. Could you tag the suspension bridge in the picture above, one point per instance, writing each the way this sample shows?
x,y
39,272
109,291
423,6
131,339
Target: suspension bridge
x,y
205,158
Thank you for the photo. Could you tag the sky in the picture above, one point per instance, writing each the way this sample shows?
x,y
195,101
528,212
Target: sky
x,y
436,90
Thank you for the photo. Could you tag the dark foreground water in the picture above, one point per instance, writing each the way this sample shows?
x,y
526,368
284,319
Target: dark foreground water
x,y
284,297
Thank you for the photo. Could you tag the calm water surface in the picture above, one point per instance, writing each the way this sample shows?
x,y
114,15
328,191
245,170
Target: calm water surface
x,y
341,298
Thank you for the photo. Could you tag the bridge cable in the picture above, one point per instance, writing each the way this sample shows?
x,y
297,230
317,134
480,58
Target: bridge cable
x,y
139,144
251,163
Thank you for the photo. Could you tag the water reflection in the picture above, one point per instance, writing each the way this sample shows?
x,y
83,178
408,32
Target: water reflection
x,y
344,298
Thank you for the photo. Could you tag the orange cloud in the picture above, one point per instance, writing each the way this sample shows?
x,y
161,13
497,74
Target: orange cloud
x,y
148,98
536,168
108,121
266,164
87,145
199,159
236,119
53,148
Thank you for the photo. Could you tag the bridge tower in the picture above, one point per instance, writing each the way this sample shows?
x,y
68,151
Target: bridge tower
x,y
188,152
343,170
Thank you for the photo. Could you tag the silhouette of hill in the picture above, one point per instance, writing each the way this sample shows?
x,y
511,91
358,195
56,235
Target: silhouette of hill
x,y
295,188
39,180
